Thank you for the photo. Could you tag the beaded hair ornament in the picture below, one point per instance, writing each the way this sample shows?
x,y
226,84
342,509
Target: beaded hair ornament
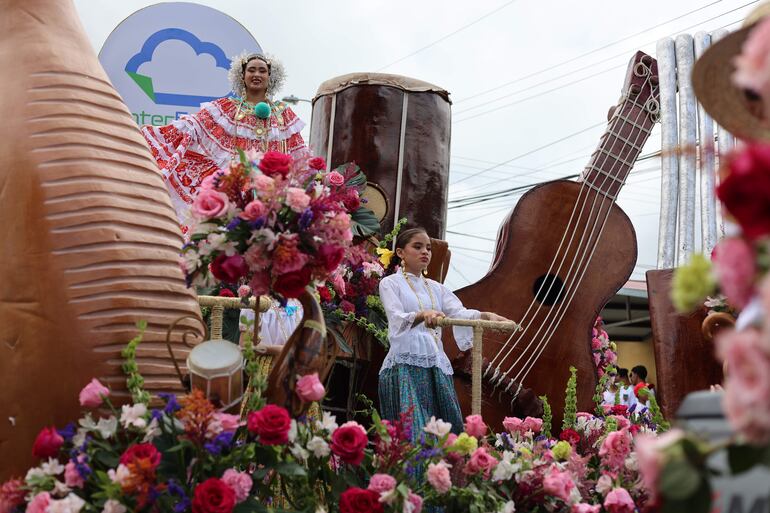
x,y
237,64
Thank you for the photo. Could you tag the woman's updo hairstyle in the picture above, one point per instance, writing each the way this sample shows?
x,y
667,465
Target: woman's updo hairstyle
x,y
404,238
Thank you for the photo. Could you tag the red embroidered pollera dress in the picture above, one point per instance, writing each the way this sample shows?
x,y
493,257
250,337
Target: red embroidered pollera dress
x,y
194,146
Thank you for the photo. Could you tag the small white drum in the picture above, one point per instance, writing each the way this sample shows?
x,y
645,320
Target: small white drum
x,y
216,368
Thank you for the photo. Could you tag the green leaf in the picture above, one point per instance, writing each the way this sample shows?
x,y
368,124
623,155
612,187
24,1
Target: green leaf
x,y
364,222
290,469
679,480
744,457
250,505
698,502
108,459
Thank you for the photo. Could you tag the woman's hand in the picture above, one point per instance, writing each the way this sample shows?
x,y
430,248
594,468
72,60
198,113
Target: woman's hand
x,y
491,316
431,316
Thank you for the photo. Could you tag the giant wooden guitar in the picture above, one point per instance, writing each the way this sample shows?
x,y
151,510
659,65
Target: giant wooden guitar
x,y
561,254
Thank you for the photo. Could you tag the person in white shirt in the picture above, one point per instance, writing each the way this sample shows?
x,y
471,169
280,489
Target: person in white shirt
x,y
416,374
276,325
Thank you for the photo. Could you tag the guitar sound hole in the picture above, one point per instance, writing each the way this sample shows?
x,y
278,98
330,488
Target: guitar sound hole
x,y
548,289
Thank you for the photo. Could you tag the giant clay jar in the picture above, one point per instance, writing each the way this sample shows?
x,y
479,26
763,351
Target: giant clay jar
x,y
89,238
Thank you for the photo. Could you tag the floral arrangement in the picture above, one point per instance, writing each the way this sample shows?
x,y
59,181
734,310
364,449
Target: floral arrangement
x,y
273,223
603,351
187,456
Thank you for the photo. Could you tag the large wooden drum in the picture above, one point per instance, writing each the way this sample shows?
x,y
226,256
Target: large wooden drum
x,y
397,129
216,368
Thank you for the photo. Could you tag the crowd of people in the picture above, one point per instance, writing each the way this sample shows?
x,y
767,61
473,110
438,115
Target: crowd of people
x,y
623,388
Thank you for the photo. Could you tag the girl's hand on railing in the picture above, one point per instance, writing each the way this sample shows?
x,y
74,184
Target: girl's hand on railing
x,y
491,316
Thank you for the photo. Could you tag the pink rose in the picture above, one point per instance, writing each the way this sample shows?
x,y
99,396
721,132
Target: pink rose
x,y
747,385
335,179
474,426
287,256
623,422
650,457
229,269
260,283
381,483
253,211
257,257
93,394
513,425
39,503
297,199
619,501
229,423
416,502
596,344
582,507
263,184
244,290
309,388
610,357
558,483
318,164
480,461
604,484
532,424
615,448
72,477
239,482
439,477
209,203
735,269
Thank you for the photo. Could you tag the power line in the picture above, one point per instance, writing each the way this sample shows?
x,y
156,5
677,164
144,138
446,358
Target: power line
x,y
437,41
467,281
471,236
572,59
476,250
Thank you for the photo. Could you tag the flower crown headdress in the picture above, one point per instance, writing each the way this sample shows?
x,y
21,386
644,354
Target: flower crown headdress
x,y
237,64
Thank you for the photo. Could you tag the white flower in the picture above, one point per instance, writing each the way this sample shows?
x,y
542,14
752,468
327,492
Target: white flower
x,y
631,462
191,260
119,475
34,475
604,484
153,430
107,427
389,497
203,228
113,506
509,507
293,431
299,452
264,236
80,437
327,422
437,427
574,496
318,447
60,489
506,468
134,416
70,504
52,467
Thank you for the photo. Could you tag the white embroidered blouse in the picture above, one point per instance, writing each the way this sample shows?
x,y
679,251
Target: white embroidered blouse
x,y
416,345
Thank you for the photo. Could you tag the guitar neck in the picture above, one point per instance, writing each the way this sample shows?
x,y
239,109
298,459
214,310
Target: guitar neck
x,y
619,147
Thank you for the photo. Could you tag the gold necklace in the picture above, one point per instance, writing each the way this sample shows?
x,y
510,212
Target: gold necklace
x,y
261,132
433,331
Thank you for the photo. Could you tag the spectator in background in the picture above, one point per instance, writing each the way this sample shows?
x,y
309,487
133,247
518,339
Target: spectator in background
x,y
638,378
627,396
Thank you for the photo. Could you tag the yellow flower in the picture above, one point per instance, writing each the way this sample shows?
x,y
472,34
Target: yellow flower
x,y
465,444
385,256
692,283
561,450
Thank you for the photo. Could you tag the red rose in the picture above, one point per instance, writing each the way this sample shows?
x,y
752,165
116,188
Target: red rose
x,y
145,451
292,284
348,442
275,163
571,436
317,163
229,269
619,409
352,201
329,256
213,496
326,296
745,192
347,307
358,500
47,443
226,293
271,424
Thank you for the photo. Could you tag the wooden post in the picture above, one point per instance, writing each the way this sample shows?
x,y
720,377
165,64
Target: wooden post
x,y
476,353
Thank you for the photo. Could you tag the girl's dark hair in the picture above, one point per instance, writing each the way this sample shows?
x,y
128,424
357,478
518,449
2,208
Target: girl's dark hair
x,y
404,237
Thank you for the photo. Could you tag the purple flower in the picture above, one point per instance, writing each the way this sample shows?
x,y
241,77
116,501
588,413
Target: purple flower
x,y
235,223
67,432
305,219
156,414
83,469
258,223
218,444
171,404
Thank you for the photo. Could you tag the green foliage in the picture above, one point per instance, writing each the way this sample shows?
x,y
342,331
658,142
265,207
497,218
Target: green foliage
x,y
256,382
380,334
744,457
570,401
657,415
364,223
388,239
547,416
134,380
601,385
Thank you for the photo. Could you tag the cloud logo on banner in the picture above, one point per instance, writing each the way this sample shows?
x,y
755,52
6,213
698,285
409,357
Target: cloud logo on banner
x,y
173,52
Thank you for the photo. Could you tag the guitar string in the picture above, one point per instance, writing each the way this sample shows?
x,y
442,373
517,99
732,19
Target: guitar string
x,y
586,252
557,254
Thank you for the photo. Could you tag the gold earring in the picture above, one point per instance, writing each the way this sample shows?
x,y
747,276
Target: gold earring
x,y
425,272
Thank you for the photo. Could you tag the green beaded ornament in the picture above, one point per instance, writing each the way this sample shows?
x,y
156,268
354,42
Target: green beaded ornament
x,y
262,110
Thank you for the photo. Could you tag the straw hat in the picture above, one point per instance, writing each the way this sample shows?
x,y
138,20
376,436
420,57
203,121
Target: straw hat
x,y
713,86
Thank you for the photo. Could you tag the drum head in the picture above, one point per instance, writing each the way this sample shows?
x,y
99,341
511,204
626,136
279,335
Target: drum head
x,y
214,357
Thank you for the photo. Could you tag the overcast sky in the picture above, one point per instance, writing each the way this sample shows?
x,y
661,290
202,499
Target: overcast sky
x,y
522,74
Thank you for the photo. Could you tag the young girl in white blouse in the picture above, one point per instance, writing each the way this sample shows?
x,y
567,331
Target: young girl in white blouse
x,y
416,373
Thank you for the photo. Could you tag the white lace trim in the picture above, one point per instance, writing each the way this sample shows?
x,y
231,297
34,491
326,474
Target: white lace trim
x,y
439,360
247,124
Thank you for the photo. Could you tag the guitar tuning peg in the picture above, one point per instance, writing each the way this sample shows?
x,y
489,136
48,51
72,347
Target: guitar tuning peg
x,y
647,60
634,90
654,80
